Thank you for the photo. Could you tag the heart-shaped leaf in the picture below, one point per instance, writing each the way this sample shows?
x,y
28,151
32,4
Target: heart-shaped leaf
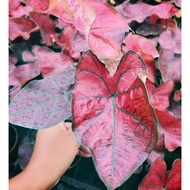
x,y
44,103
112,116
157,178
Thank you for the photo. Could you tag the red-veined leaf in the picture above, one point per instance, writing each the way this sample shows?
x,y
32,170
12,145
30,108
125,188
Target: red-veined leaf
x,y
46,26
42,104
171,127
169,65
21,27
174,176
145,48
173,39
112,116
39,5
156,177
159,96
106,34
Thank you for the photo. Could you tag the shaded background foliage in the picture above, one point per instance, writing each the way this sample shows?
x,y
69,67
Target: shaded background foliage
x,y
32,39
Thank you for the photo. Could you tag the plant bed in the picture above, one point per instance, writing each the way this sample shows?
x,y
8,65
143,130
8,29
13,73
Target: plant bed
x,y
117,80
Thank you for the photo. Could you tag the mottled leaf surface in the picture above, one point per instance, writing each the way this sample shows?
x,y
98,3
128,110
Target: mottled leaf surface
x,y
44,103
112,116
106,34
171,129
156,177
174,176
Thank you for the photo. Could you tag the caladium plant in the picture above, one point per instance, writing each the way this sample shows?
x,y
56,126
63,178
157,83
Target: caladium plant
x,y
113,70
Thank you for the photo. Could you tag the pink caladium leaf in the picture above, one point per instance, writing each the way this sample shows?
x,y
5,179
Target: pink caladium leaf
x,y
140,44
52,63
20,75
13,5
168,64
159,96
106,34
112,116
76,12
145,48
21,27
171,128
80,42
137,11
174,176
39,5
22,11
69,33
157,178
46,26
173,38
44,103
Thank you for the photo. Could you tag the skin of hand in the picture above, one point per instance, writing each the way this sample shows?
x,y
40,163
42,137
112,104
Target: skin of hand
x,y
54,151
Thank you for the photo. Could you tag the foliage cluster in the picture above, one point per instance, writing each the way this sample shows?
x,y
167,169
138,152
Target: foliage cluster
x,y
113,68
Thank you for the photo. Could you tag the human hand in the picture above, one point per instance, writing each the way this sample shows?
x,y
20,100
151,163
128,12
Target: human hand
x,y
54,151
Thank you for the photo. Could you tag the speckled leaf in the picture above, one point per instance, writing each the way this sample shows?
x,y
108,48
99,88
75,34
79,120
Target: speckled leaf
x,y
112,116
44,103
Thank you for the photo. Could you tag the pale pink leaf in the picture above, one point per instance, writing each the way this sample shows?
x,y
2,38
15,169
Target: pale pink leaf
x,y
52,63
106,34
169,65
171,39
